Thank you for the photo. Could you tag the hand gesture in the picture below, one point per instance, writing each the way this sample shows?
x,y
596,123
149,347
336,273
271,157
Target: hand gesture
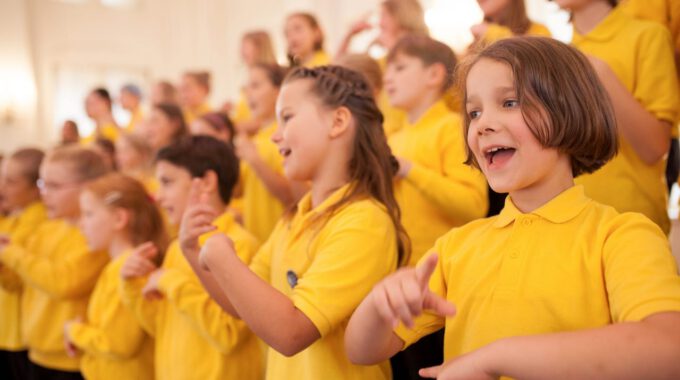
x,y
196,221
140,263
216,246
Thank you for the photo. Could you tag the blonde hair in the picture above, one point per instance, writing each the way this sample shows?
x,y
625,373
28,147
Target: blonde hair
x,y
202,78
85,162
120,191
263,46
365,65
409,15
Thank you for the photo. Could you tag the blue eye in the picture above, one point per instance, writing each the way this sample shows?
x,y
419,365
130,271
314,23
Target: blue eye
x,y
510,103
474,114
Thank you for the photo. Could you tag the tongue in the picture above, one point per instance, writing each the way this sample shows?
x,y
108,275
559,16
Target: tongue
x,y
502,156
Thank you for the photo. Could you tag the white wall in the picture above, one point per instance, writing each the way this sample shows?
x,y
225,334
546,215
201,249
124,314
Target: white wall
x,y
43,42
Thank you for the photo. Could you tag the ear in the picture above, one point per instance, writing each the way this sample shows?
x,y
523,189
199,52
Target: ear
x,y
436,75
121,218
209,183
342,117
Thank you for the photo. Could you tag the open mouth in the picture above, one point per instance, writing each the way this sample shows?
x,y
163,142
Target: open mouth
x,y
285,152
498,155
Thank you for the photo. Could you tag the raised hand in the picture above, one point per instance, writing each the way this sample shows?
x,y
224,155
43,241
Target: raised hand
x,y
405,294
216,246
196,221
140,263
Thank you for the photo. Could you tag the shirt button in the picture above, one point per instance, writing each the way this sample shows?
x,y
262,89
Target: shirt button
x,y
526,222
513,255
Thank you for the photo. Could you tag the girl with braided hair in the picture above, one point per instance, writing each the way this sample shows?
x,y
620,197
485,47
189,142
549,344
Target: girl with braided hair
x,y
328,251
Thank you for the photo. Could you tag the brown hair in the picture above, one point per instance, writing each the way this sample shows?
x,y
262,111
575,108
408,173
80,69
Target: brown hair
x,y
176,117
138,143
275,73
365,65
313,23
514,18
430,52
30,160
409,15
120,191
263,46
567,109
202,78
85,162
220,122
372,165
168,90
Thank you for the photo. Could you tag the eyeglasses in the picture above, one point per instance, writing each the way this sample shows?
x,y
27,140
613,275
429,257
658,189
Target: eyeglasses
x,y
45,186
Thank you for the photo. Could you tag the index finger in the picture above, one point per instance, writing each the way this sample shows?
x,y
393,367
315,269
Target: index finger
x,y
425,269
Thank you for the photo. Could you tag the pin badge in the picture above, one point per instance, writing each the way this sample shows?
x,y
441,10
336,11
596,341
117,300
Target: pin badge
x,y
292,278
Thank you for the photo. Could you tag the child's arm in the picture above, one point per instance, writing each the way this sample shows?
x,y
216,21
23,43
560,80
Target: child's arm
x,y
269,313
120,335
400,297
277,184
73,274
636,350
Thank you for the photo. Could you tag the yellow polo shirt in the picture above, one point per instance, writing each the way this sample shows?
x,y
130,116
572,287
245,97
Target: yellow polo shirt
x,y
194,337
113,343
572,264
58,272
242,111
136,117
109,131
320,58
326,269
261,209
640,54
440,192
19,227
191,114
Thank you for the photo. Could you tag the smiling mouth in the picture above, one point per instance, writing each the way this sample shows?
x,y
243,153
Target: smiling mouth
x,y
498,155
284,152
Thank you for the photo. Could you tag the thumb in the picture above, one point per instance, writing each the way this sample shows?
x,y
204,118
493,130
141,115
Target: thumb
x,y
425,269
430,372
195,191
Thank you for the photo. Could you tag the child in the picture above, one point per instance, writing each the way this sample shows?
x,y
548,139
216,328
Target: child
x,y
305,41
163,92
194,90
116,215
214,124
321,258
166,125
134,157
433,184
98,107
130,100
256,47
21,196
530,303
56,267
367,66
195,339
634,61
266,191
503,19
69,133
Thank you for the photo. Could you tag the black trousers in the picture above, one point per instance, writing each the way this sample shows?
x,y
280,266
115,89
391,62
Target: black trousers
x,y
427,352
13,365
38,372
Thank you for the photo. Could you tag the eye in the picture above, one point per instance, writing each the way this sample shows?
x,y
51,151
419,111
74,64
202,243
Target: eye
x,y
511,103
286,117
474,114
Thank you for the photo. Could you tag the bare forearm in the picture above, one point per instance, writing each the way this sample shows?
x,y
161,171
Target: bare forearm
x,y
211,286
270,314
621,351
368,339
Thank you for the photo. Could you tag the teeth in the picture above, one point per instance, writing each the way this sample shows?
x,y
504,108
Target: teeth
x,y
494,150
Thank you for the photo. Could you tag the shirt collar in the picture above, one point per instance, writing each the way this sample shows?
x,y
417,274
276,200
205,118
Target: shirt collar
x,y
433,114
605,30
561,209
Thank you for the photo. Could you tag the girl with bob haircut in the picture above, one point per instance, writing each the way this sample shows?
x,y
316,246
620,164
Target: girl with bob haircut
x,y
602,304
326,254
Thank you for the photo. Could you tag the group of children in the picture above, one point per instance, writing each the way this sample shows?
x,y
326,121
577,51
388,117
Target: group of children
x,y
336,214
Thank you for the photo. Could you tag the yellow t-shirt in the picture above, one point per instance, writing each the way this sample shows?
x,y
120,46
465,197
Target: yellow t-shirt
x,y
19,228
191,114
194,337
261,209
113,343
242,111
495,32
440,192
320,58
640,54
58,272
136,117
572,264
326,270
109,131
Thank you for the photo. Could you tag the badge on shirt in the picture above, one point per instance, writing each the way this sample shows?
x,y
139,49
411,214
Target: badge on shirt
x,y
292,278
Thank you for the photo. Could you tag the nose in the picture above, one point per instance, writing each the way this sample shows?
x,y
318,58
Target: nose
x,y
485,124
277,136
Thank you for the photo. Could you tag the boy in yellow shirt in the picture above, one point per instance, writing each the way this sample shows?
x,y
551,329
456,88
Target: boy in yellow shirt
x,y
556,286
20,194
194,337
435,189
57,269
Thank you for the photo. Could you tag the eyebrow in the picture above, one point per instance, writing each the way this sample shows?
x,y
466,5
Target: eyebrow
x,y
499,90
